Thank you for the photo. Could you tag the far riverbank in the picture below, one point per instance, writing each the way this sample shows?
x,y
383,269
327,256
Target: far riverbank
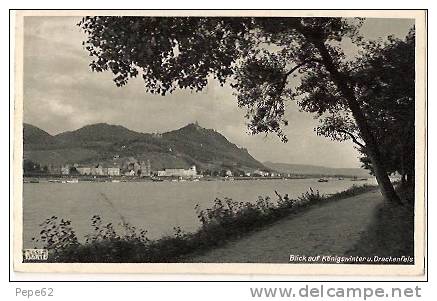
x,y
117,179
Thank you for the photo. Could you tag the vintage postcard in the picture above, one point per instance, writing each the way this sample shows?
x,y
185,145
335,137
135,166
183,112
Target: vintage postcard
x,y
220,142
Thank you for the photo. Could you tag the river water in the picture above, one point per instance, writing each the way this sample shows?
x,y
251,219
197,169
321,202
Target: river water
x,y
154,206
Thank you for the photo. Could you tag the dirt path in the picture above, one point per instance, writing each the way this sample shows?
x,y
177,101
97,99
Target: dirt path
x,y
328,229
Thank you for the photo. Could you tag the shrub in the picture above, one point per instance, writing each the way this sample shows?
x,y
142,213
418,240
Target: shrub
x,y
57,235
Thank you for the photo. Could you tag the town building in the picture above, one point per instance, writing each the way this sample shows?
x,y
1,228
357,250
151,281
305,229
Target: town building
x,y
84,170
65,170
146,168
113,171
161,173
178,172
130,173
99,170
260,173
53,170
128,167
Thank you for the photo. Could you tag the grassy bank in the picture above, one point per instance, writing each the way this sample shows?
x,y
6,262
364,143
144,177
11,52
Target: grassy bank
x,y
224,221
392,231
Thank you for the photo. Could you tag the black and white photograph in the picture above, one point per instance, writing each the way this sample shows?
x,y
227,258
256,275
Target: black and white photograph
x,y
292,142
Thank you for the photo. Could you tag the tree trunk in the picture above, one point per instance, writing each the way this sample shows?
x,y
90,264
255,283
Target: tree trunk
x,y
372,150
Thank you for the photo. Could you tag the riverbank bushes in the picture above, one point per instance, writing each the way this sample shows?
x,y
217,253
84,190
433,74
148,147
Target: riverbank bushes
x,y
225,220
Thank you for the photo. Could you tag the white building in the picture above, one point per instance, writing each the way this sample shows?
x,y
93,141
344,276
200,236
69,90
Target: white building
x,y
178,172
113,171
130,173
161,173
261,173
98,170
65,170
84,170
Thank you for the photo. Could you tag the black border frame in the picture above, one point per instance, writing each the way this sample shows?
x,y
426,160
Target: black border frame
x,y
426,262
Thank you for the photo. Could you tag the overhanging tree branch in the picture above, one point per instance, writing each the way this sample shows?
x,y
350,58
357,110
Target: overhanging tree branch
x,y
300,65
354,139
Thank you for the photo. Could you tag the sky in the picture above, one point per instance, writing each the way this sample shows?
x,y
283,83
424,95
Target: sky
x,y
61,93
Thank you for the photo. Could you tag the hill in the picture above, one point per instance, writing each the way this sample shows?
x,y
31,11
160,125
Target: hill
x,y
98,132
33,135
303,169
103,142
209,146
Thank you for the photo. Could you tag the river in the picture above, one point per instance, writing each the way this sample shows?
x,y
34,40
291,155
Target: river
x,y
154,206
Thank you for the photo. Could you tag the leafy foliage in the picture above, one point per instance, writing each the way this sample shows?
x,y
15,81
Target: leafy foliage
x,y
259,54
57,234
383,80
31,167
270,60
387,90
262,77
167,52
